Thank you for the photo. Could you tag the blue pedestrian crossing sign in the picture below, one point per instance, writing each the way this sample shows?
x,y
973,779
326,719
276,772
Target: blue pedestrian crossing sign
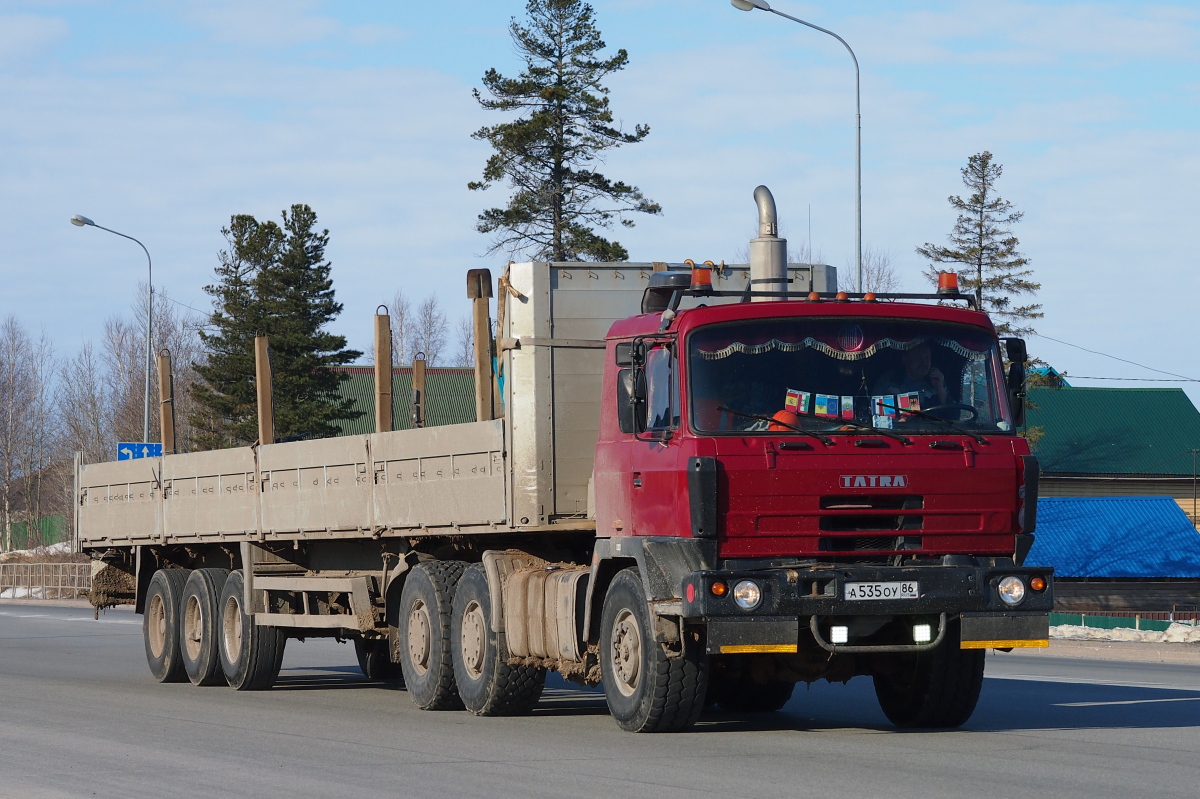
x,y
127,451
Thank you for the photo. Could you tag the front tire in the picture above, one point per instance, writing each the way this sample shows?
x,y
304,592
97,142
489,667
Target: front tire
x,y
932,689
487,685
160,624
251,654
199,628
426,605
646,691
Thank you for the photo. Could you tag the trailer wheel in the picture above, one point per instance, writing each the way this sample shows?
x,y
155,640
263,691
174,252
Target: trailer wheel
x,y
487,684
375,659
426,604
198,626
932,689
160,624
646,691
250,653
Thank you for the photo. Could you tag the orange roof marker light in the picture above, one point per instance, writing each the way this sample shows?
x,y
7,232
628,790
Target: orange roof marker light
x,y
869,296
814,296
841,297
947,283
702,277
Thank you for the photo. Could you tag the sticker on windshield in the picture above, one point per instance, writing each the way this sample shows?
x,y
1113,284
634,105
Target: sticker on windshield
x,y
884,405
882,422
848,407
910,402
828,405
798,401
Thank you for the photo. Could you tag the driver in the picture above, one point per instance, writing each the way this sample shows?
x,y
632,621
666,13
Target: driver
x,y
920,375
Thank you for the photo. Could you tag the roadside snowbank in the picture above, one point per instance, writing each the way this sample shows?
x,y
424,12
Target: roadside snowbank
x,y
1175,634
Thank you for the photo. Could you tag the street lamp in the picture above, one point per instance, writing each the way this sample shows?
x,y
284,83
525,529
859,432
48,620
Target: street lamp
x,y
83,221
762,5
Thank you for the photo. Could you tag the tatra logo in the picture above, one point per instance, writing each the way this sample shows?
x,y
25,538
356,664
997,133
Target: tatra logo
x,y
874,481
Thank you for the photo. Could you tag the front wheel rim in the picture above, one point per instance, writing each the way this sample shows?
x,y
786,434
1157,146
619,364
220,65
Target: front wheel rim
x,y
625,652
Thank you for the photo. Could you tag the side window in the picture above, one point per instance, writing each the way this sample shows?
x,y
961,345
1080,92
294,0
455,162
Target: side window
x,y
662,390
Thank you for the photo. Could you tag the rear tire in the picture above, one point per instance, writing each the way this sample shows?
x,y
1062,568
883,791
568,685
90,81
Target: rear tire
x,y
426,605
199,627
933,689
160,624
375,660
251,654
646,691
487,685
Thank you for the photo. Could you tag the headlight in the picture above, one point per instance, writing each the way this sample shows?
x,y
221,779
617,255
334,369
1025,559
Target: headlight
x,y
1012,590
747,595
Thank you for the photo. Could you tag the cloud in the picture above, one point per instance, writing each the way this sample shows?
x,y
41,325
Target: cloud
x,y
25,35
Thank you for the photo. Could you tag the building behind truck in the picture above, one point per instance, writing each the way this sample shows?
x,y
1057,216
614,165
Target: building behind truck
x,y
692,485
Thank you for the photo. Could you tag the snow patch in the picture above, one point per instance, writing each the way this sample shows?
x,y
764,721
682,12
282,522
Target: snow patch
x,y
1175,634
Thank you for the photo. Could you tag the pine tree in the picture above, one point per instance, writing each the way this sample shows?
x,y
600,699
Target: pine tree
x,y
550,153
982,242
226,400
273,280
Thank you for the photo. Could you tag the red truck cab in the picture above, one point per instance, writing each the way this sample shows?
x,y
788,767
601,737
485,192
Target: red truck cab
x,y
849,473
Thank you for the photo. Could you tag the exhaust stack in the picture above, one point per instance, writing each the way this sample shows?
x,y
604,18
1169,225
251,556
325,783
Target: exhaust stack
x,y
768,252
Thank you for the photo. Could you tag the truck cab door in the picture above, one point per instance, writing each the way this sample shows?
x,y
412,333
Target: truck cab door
x,y
657,476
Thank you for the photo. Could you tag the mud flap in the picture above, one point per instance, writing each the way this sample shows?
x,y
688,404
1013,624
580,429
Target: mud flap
x,y
1004,630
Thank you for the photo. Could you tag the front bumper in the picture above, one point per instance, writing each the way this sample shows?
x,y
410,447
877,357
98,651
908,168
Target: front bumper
x,y
801,602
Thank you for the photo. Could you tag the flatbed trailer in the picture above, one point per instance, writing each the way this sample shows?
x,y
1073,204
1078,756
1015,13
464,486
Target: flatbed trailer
x,y
637,513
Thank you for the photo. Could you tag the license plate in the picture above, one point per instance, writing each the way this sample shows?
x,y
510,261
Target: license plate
x,y
883,590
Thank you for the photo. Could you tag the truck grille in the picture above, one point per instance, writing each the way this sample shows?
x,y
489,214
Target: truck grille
x,y
860,513
847,543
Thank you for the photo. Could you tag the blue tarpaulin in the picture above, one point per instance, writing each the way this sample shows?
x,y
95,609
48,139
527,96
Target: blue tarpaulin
x,y
1115,537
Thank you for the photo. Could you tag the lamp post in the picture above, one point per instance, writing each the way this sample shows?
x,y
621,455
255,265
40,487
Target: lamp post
x,y
762,5
83,221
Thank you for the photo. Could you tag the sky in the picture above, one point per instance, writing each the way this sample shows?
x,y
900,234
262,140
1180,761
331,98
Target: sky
x,y
162,119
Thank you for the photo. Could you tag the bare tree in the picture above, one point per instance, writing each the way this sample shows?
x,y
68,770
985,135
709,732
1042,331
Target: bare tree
x,y
86,407
14,407
28,425
465,350
879,271
429,330
402,333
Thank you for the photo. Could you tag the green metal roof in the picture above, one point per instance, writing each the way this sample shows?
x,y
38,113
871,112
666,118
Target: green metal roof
x,y
1114,431
449,397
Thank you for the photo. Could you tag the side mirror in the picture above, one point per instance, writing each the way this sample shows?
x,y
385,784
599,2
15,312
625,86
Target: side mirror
x,y
631,400
1015,348
1017,355
630,353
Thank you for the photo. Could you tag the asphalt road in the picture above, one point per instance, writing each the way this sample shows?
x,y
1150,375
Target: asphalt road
x,y
80,716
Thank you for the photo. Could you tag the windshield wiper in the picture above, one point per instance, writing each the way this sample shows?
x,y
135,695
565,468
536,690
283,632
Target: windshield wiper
x,y
847,423
823,439
947,422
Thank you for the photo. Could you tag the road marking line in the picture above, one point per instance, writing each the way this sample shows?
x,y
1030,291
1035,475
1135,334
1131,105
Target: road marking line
x,y
1129,702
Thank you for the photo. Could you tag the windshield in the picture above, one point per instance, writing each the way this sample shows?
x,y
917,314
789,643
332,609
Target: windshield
x,y
822,374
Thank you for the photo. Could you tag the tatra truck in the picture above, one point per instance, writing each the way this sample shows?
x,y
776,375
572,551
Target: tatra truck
x,y
695,485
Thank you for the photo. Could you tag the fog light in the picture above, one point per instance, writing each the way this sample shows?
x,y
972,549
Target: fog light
x,y
747,595
839,634
1012,590
922,633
